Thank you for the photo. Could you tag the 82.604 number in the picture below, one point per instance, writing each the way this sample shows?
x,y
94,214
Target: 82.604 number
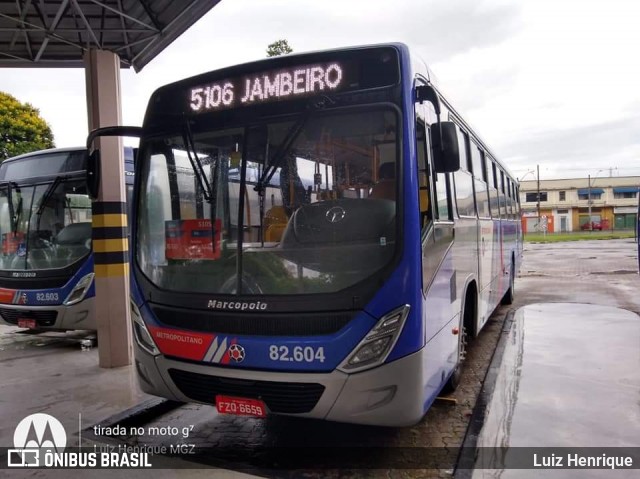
x,y
298,354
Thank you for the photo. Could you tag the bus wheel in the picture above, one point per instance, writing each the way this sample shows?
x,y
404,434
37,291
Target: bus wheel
x,y
454,381
509,295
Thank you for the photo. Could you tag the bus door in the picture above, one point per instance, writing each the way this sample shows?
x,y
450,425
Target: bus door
x,y
485,230
436,237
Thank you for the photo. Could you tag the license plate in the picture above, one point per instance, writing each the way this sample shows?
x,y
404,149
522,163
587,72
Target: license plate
x,y
241,406
27,323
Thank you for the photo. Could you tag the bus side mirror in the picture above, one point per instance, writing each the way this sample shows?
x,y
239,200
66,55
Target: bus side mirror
x,y
93,173
93,158
444,144
428,93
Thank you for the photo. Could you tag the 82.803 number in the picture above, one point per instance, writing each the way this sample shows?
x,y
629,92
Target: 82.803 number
x,y
298,354
46,296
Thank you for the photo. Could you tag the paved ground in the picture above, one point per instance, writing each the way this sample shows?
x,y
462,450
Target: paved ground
x,y
53,375
591,272
563,387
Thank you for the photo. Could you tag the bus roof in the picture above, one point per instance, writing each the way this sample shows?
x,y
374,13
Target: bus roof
x,y
128,153
415,63
288,58
30,165
44,152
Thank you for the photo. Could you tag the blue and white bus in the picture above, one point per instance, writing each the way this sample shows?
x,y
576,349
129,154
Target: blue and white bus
x,y
46,261
316,235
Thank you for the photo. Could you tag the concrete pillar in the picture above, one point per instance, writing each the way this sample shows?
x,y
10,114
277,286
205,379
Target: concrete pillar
x,y
110,244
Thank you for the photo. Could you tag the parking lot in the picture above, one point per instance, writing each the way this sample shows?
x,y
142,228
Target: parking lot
x,y
52,373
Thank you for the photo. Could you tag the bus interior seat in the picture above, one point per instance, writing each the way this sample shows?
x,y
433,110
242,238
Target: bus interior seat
x,y
424,200
385,188
275,222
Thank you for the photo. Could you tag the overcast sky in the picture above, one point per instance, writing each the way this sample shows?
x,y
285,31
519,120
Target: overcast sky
x,y
554,83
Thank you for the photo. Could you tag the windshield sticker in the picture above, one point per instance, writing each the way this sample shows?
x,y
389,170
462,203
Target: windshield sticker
x,y
192,239
11,242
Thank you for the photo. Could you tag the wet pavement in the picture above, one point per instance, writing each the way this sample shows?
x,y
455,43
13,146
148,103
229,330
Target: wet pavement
x,y
603,272
52,374
568,378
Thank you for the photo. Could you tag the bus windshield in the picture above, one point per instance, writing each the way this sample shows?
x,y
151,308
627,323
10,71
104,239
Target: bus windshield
x,y
45,225
296,206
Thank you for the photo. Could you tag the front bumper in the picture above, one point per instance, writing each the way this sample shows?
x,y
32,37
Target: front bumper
x,y
390,395
55,317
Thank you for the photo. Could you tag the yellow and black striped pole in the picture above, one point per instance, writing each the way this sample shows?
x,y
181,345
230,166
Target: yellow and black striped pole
x,y
111,268
110,239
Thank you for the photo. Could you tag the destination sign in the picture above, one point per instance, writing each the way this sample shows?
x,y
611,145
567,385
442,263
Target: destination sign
x,y
267,86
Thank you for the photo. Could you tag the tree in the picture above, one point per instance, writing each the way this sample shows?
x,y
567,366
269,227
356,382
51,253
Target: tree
x,y
22,129
279,47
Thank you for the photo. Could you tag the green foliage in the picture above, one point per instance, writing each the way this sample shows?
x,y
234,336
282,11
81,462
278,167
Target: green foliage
x,y
22,129
279,47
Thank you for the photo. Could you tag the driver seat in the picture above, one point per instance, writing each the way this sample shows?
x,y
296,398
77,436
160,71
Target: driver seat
x,y
385,188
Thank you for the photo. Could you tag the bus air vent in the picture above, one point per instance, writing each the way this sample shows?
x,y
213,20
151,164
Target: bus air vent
x,y
254,324
280,397
43,318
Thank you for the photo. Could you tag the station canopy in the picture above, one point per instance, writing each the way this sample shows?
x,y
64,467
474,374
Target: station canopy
x,y
56,33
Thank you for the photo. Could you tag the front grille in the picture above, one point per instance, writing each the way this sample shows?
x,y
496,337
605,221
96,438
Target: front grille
x,y
34,283
254,324
43,317
293,398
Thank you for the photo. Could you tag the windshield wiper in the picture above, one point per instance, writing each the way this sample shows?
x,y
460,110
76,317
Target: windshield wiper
x,y
209,191
46,197
278,156
270,169
49,193
196,164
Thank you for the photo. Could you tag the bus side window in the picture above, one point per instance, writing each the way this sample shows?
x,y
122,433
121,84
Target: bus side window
x,y
493,188
423,175
503,197
509,198
463,180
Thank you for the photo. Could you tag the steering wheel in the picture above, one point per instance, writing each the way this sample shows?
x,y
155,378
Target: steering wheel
x,y
249,286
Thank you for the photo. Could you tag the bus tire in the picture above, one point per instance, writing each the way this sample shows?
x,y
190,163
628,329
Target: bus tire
x,y
509,296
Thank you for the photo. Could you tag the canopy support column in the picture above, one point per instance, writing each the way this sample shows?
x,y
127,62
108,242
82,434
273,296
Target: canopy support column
x,y
110,242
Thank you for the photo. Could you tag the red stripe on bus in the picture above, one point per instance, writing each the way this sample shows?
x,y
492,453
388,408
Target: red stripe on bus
x,y
181,344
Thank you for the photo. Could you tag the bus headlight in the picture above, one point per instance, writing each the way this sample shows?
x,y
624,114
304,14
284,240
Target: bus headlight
x,y
78,293
141,333
378,343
